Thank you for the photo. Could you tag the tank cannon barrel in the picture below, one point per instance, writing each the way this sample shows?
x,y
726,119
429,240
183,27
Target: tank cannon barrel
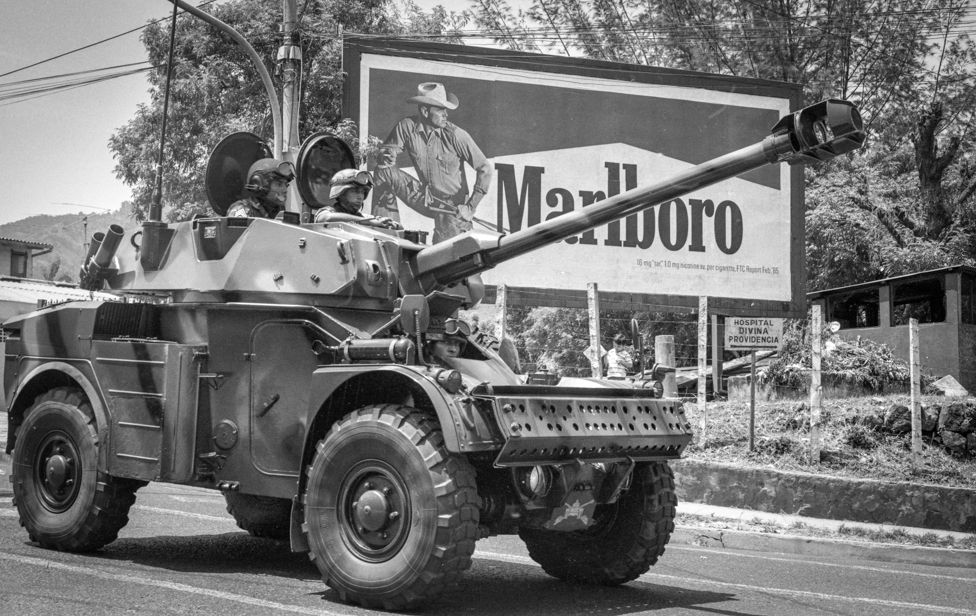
x,y
818,132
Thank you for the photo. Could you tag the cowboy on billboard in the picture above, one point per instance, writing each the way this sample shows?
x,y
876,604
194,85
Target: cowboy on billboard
x,y
438,150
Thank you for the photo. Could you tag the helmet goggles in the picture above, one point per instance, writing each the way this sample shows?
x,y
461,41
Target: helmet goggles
x,y
286,170
456,327
349,178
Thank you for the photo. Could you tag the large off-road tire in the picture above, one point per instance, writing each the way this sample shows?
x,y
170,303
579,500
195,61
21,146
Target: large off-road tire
x,y
391,517
63,501
627,539
262,516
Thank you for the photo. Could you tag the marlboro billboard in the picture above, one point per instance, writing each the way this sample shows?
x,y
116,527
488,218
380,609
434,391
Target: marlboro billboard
x,y
530,137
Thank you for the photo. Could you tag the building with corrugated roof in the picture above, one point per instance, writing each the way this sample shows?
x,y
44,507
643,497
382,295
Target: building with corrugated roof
x,y
20,292
942,300
17,256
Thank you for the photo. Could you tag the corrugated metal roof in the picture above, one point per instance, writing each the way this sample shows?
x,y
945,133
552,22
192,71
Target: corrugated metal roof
x,y
26,291
883,281
26,243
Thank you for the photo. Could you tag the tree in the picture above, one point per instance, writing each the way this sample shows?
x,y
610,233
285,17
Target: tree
x,y
215,90
54,272
901,61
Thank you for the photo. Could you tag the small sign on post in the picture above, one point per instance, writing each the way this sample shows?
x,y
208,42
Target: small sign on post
x,y
751,333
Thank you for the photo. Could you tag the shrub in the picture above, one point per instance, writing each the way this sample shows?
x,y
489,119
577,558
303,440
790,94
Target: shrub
x,y
860,362
859,437
776,445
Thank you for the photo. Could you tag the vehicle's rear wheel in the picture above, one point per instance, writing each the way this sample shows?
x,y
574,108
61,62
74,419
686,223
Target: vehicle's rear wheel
x,y
64,502
391,517
626,540
262,516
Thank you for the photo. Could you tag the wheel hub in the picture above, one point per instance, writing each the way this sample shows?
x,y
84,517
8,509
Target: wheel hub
x,y
372,510
375,512
56,471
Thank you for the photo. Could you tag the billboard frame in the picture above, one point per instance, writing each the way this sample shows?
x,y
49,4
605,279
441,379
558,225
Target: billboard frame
x,y
354,47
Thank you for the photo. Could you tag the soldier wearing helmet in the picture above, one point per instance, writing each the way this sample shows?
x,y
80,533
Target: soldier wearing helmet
x,y
447,343
348,189
266,189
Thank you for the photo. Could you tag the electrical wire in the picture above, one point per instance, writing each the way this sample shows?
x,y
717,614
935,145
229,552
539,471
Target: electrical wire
x,y
90,45
9,96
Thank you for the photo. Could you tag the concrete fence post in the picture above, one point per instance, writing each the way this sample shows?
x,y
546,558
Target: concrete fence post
x,y
916,394
816,388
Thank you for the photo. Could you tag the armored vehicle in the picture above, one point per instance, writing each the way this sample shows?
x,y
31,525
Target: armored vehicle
x,y
287,365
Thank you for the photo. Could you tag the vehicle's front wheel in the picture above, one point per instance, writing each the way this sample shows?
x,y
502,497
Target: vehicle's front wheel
x,y
64,502
391,517
626,539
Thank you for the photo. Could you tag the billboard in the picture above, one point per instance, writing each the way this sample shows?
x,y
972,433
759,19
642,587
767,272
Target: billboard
x,y
540,136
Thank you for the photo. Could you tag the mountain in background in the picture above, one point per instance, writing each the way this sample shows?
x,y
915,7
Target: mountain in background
x,y
67,233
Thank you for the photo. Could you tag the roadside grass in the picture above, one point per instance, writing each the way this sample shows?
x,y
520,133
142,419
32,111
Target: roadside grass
x,y
852,444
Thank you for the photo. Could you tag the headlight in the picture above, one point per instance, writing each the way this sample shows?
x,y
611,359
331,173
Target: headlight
x,y
450,380
534,481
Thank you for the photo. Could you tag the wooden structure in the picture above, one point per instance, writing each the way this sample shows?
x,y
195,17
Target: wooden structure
x,y
942,300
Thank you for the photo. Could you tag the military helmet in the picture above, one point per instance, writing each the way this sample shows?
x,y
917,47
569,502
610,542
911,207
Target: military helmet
x,y
263,171
348,178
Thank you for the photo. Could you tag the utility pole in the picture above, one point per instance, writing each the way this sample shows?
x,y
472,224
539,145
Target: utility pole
x,y
289,61
290,66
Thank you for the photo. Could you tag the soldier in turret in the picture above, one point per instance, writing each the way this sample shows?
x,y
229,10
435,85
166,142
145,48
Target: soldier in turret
x,y
266,190
348,189
449,343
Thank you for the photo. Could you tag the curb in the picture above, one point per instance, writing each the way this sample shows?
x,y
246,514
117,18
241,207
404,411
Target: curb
x,y
807,546
827,497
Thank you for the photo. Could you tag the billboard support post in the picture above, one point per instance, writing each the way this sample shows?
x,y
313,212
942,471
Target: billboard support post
x,y
702,360
501,302
593,308
664,356
717,351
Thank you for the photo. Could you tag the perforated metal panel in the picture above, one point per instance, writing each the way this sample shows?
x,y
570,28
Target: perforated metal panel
x,y
554,428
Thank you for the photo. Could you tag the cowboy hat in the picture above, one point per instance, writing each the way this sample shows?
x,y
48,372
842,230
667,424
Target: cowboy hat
x,y
433,93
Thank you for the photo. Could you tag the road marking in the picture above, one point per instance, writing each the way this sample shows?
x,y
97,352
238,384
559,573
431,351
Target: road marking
x,y
196,499
186,514
826,564
135,579
654,577
12,513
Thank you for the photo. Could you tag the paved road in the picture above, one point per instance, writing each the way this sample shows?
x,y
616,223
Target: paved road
x,y
181,554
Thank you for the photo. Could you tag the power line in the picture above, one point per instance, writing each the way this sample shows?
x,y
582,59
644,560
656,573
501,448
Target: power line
x,y
90,45
24,93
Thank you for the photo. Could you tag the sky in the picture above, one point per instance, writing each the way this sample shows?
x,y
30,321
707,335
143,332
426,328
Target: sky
x,y
54,147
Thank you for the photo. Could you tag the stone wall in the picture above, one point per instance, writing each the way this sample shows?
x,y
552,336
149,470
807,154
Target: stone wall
x,y
828,497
